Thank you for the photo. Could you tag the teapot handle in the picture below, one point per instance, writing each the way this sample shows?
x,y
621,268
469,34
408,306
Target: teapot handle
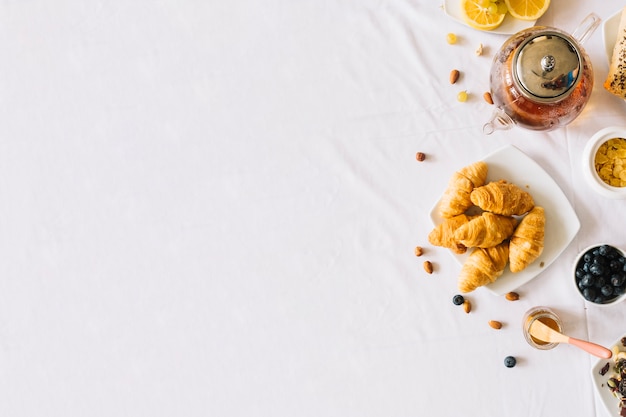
x,y
586,28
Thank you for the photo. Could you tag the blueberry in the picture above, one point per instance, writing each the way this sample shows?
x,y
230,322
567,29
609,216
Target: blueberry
x,y
596,269
615,265
509,361
587,257
589,293
617,279
607,290
600,282
458,300
600,260
604,250
588,280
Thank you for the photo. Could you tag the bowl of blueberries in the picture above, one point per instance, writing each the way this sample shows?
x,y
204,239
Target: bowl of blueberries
x,y
600,274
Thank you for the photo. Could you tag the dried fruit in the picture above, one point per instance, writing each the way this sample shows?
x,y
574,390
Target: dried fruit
x,y
467,306
479,50
495,324
418,251
454,76
428,267
488,98
512,296
420,156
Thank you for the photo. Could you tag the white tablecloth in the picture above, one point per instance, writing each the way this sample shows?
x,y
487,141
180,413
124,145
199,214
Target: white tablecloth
x,y
209,208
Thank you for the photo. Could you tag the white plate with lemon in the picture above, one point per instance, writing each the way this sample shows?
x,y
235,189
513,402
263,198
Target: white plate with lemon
x,y
502,17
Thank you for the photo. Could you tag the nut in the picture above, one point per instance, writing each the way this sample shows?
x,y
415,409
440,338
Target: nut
x,y
420,156
467,306
418,251
479,50
454,76
428,267
512,296
495,324
488,98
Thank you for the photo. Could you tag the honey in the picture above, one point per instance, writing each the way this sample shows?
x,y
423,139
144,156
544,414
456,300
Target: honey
x,y
547,317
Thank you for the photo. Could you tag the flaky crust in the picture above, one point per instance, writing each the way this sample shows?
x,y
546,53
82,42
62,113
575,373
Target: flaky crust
x,y
527,241
456,198
504,198
483,266
485,231
443,233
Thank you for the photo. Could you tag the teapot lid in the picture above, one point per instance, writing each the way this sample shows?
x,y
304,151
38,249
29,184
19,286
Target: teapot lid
x,y
547,66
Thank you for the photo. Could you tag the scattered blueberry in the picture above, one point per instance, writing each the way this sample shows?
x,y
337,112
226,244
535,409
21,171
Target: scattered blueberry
x,y
509,361
458,300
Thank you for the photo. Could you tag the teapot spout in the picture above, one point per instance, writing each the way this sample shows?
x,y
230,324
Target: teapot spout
x,y
499,121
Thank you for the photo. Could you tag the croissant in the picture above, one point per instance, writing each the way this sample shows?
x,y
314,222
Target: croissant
x,y
443,233
486,230
527,241
503,198
483,266
456,197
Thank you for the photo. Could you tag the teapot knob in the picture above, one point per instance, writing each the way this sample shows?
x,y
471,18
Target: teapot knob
x,y
547,63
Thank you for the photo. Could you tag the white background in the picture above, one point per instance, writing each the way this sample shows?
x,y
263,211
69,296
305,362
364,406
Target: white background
x,y
209,208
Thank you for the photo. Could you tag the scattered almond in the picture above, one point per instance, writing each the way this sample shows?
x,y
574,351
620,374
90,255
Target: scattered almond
x,y
488,98
454,76
467,306
512,296
418,251
495,324
420,156
428,267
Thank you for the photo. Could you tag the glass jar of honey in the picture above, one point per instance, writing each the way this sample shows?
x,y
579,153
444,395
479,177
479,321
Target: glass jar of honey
x,y
547,317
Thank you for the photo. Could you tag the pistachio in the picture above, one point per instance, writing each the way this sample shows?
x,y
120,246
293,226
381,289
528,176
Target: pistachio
x,y
454,76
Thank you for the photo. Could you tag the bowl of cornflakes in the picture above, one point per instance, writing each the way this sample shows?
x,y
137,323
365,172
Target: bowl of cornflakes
x,y
604,162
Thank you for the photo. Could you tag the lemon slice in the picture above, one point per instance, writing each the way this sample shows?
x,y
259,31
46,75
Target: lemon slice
x,y
527,9
479,17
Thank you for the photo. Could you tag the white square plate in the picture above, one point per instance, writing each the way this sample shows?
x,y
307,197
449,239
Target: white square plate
x,y
609,33
562,224
610,402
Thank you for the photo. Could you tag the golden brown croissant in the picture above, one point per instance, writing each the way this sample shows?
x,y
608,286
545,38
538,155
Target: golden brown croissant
x,y
527,240
443,233
486,230
503,198
456,197
483,266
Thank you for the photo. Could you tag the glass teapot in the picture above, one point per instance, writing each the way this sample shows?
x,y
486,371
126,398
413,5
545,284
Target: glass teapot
x,y
541,78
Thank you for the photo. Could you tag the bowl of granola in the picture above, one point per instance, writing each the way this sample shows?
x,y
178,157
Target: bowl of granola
x,y
604,162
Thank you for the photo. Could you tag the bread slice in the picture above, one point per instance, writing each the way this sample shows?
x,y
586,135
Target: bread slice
x,y
616,79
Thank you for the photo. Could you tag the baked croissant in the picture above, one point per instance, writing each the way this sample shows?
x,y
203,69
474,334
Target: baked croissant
x,y
527,240
443,233
486,230
504,198
483,266
456,197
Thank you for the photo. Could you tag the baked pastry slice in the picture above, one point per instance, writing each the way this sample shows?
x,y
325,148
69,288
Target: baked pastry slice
x,y
615,81
456,197
527,241
483,266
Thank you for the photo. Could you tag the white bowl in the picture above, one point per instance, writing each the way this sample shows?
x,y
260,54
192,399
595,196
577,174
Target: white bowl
x,y
614,301
589,168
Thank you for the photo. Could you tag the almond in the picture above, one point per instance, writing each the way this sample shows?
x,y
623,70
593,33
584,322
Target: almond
x,y
512,296
418,251
495,324
428,267
488,98
454,76
467,306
